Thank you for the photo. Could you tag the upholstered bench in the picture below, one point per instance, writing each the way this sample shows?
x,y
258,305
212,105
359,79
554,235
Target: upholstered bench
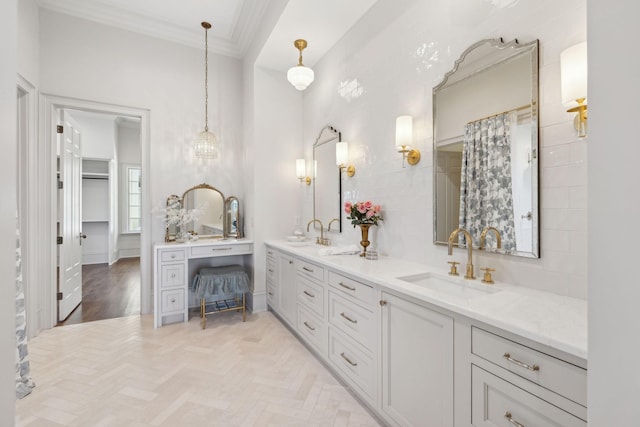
x,y
224,286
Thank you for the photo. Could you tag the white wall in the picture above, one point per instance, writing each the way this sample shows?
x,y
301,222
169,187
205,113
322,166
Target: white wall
x,y
614,205
28,40
8,173
98,135
397,53
89,61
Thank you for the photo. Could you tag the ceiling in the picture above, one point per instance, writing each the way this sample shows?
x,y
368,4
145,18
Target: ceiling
x,y
235,22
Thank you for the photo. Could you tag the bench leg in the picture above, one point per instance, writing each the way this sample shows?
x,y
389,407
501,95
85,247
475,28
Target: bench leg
x,y
203,316
244,316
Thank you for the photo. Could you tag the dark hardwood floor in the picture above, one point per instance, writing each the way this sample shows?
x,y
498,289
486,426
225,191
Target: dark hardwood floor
x,y
108,291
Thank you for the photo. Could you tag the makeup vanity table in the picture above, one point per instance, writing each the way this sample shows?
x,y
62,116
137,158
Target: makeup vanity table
x,y
174,266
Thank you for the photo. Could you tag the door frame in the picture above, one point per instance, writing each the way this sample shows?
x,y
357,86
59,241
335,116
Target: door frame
x,y
28,200
45,238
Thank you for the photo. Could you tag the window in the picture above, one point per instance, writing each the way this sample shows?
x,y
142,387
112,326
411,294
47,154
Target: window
x,y
133,199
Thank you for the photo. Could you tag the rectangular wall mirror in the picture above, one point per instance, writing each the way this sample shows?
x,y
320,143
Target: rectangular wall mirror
x,y
485,133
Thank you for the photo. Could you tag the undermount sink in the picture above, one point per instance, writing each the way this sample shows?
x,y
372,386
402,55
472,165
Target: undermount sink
x,y
449,285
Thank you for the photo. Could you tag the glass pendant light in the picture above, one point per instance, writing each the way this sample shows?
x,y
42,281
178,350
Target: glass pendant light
x,y
300,76
206,143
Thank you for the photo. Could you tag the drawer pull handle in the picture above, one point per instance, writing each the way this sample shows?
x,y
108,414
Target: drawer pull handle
x,y
309,294
173,275
221,249
348,318
507,415
347,359
173,257
346,286
307,269
521,364
309,326
271,294
270,271
173,300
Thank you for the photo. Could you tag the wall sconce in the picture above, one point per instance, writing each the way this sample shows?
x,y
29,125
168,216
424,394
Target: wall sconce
x,y
301,171
573,79
404,139
300,76
342,157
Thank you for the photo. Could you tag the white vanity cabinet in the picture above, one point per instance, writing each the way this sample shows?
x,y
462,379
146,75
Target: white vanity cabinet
x,y
174,266
515,384
419,360
417,363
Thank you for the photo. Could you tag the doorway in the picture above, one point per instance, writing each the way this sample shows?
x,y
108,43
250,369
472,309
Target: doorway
x,y
45,272
109,195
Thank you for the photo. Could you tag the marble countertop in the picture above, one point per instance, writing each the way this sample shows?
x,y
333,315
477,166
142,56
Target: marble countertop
x,y
553,320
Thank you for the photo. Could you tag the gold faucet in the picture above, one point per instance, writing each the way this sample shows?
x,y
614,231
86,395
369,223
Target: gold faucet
x,y
483,237
467,235
319,240
332,221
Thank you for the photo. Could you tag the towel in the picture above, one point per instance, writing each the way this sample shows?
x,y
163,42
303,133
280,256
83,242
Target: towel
x,y
340,250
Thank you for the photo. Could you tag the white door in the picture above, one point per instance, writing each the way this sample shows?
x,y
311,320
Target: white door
x,y
71,220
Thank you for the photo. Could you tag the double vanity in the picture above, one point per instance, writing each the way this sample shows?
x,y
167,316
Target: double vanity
x,y
421,348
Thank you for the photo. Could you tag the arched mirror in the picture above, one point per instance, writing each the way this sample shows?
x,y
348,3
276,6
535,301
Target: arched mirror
x,y
485,133
327,179
234,226
210,218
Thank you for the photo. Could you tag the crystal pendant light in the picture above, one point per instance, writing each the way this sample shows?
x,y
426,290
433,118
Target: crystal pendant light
x,y
206,143
300,76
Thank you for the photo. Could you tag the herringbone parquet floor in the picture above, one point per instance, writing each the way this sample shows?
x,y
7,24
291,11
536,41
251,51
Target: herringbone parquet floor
x,y
123,372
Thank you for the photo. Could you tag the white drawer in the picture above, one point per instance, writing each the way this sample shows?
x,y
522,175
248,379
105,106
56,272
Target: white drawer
x,y
172,255
272,271
354,363
352,319
494,401
310,294
309,269
549,372
272,255
220,250
171,275
352,287
272,294
312,329
172,301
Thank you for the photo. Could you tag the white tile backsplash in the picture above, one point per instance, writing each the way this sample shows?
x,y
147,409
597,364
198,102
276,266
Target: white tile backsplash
x,y
396,65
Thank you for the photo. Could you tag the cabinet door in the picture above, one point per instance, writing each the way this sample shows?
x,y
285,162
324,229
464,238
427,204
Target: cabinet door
x,y
287,289
417,364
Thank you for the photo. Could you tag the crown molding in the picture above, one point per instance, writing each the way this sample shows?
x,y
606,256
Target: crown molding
x,y
243,29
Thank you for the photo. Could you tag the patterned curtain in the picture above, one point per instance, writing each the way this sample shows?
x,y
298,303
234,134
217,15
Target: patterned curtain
x,y
24,383
486,198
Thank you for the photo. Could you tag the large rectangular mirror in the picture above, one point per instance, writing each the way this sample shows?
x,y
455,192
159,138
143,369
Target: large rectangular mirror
x,y
485,133
327,179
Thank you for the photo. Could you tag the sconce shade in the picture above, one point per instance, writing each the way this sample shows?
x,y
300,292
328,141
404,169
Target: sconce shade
x,y
206,145
300,76
301,168
573,74
404,132
342,153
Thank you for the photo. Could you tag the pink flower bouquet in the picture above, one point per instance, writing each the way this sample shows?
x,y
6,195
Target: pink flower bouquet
x,y
363,213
